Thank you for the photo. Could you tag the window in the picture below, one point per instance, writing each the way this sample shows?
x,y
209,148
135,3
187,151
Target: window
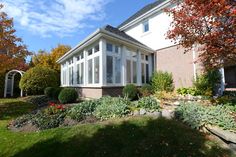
x,y
128,71
117,70
134,72
90,71
90,52
145,68
64,76
146,26
109,69
96,69
116,49
80,56
109,47
71,75
80,73
96,48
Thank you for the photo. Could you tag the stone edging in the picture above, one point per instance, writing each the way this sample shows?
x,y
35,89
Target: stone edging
x,y
224,134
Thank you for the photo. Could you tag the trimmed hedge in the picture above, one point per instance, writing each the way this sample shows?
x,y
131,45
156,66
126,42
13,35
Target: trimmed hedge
x,y
68,95
52,92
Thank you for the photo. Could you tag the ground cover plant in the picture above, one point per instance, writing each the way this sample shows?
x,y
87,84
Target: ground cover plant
x,y
197,116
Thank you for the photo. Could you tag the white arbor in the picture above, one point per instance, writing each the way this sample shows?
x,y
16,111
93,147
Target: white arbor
x,y
9,82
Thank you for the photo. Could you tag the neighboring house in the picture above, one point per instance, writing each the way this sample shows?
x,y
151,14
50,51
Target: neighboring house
x,y
111,58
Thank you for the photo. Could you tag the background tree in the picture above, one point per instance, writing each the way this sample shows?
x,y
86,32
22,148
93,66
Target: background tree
x,y
209,23
12,50
45,59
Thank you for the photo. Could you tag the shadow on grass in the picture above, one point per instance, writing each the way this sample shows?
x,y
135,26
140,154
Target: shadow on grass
x,y
13,108
154,138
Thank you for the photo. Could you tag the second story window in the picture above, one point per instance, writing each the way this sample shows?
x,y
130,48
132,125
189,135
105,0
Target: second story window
x,y
145,26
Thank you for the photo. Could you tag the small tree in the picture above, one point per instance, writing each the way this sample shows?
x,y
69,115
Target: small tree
x,y
35,80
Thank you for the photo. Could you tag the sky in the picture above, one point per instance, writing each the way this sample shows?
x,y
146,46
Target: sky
x,y
43,24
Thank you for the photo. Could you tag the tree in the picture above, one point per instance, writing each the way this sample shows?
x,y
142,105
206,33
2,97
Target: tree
x,y
45,59
208,23
12,50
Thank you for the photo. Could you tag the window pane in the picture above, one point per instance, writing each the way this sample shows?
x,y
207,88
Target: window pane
x,y
146,26
147,73
96,48
116,49
118,70
96,69
128,71
90,71
109,47
90,51
64,77
134,72
70,75
82,73
109,69
143,73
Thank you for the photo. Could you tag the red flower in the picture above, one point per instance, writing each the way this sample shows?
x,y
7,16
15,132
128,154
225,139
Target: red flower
x,y
60,107
52,104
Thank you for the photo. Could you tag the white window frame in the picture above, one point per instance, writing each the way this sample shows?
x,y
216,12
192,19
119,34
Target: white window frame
x,y
80,61
114,55
71,66
92,56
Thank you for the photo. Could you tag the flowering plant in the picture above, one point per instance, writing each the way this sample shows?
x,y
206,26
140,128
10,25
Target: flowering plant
x,y
54,108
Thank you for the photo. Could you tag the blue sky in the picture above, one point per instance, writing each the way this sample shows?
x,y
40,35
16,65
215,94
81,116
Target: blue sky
x,y
44,24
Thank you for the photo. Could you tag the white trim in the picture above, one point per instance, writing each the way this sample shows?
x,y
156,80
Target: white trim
x,y
194,64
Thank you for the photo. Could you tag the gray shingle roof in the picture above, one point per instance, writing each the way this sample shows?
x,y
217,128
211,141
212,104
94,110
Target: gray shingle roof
x,y
122,34
141,12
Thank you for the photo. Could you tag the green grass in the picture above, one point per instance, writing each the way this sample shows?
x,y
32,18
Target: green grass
x,y
12,108
139,136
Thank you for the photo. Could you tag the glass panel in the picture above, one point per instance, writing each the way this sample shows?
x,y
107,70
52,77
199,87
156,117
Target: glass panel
x,y
147,73
96,48
146,26
134,72
109,47
116,49
70,75
118,70
146,57
96,70
90,51
109,69
128,71
80,73
90,71
64,77
143,73
82,55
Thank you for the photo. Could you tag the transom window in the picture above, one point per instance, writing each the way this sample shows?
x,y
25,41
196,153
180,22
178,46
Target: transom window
x,y
145,26
93,49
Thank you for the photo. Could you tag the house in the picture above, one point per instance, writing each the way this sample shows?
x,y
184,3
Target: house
x,y
110,58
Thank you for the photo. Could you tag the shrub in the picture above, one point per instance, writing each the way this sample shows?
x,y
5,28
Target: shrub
x,y
68,95
198,116
185,91
162,81
111,107
52,92
35,80
82,110
130,91
146,90
207,83
149,103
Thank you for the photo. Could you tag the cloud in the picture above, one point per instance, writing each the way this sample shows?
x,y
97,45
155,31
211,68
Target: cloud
x,y
55,17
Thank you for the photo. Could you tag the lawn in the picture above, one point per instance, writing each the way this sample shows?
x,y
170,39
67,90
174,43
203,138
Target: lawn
x,y
137,136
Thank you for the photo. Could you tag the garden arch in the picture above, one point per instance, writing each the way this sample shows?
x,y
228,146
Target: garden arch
x,y
9,82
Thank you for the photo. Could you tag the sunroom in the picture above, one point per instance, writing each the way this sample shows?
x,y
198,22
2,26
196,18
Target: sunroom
x,y
105,62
